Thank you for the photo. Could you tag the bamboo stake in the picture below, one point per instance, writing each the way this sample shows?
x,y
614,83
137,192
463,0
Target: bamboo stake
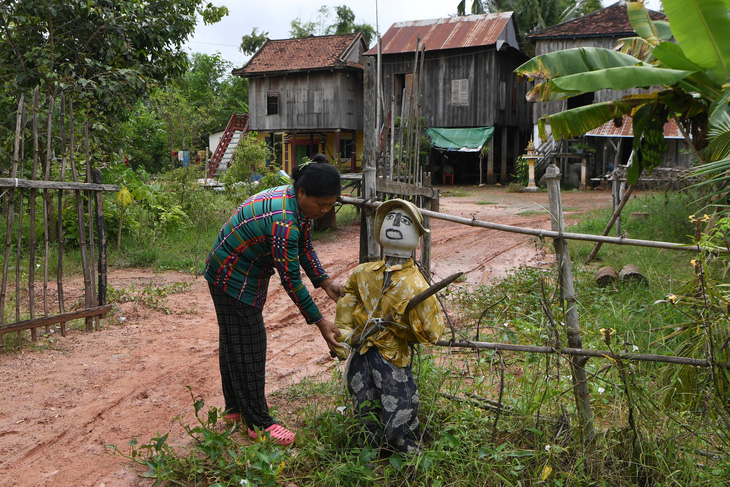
x,y
610,223
101,237
59,267
32,192
46,201
19,244
543,233
81,222
572,327
89,204
11,211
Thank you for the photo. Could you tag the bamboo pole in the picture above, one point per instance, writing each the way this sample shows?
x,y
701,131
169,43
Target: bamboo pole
x,y
89,205
614,217
32,192
81,220
11,210
59,267
542,233
46,201
572,327
637,357
59,185
19,245
101,239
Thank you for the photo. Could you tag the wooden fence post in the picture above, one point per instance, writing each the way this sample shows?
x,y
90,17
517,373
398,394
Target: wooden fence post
x,y
567,294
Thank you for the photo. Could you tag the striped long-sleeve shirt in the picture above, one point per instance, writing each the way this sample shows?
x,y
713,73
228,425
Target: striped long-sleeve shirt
x,y
267,232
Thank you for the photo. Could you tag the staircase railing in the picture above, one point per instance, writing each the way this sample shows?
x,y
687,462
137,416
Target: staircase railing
x,y
237,123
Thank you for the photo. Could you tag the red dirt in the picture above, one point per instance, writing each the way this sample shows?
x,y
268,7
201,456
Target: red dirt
x,y
62,405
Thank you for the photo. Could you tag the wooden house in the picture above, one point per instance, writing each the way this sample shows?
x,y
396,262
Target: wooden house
x,y
468,91
306,97
612,145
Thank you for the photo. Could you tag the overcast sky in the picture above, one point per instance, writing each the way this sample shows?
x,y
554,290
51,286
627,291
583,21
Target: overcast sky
x,y
275,16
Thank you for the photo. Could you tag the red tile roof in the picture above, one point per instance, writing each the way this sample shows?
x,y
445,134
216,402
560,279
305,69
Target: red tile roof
x,y
306,53
449,33
610,21
609,129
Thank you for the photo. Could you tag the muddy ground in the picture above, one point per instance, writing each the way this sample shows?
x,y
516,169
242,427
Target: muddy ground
x,y
64,403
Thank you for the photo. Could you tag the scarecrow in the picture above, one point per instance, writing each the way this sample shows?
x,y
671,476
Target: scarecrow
x,y
378,330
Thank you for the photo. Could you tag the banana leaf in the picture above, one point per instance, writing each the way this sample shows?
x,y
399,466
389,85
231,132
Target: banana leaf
x,y
573,61
620,78
578,121
702,28
642,24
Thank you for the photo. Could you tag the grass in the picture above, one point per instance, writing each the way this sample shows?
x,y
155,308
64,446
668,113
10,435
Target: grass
x,y
508,418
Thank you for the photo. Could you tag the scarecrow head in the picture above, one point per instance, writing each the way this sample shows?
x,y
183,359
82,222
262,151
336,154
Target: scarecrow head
x,y
398,226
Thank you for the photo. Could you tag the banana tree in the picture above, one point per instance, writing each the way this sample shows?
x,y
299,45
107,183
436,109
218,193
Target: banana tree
x,y
689,82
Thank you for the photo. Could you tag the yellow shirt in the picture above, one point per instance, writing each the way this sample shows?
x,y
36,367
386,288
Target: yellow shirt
x,y
364,299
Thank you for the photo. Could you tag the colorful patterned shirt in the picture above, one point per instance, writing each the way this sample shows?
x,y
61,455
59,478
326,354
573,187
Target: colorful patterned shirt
x,y
267,232
365,298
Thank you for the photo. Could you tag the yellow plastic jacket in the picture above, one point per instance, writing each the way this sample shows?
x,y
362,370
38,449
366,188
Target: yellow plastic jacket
x,y
363,300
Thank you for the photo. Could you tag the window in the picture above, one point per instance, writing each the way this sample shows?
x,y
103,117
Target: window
x,y
460,92
272,103
502,95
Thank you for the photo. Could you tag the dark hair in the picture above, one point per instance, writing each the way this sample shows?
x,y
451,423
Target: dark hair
x,y
317,177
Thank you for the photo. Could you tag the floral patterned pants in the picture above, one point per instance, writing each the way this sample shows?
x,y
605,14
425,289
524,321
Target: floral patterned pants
x,y
385,398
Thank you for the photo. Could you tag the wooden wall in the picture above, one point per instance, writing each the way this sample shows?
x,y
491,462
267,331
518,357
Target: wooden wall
x,y
494,96
318,100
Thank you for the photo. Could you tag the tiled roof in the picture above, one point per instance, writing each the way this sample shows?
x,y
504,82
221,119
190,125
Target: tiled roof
x,y
449,33
609,129
610,21
306,53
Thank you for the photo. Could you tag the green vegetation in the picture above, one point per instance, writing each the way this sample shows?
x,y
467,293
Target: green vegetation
x,y
509,418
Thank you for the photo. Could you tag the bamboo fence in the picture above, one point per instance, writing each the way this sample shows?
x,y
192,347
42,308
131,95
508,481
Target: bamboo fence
x,y
89,210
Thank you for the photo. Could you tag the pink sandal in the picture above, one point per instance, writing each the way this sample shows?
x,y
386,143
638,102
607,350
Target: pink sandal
x,y
278,433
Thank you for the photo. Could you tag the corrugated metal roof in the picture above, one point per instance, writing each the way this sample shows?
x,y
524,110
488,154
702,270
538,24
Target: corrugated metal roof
x,y
609,129
449,33
610,21
304,53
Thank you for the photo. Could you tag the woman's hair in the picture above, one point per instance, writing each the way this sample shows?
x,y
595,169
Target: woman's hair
x,y
317,177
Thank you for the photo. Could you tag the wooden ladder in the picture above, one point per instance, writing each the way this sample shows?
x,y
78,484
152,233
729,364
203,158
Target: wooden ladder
x,y
237,123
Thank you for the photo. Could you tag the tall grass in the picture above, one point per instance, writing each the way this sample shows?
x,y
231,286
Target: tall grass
x,y
509,419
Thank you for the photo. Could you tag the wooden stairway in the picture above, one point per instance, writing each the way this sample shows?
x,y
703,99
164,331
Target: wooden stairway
x,y
237,127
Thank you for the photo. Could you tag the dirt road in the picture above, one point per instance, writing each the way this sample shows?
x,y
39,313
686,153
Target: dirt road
x,y
63,405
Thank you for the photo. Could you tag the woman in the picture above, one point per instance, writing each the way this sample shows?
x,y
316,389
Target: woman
x,y
270,231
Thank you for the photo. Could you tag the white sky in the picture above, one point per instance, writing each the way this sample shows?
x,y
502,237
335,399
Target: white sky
x,y
275,16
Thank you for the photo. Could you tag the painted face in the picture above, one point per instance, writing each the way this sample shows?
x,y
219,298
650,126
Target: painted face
x,y
315,207
398,234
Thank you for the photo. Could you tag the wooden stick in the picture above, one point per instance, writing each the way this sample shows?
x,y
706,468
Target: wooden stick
x,y
47,199
81,220
59,318
611,221
27,183
11,211
34,174
19,245
101,237
89,204
59,267
638,357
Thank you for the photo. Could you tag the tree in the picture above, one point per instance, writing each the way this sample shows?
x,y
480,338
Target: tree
x,y
103,55
691,75
252,42
345,24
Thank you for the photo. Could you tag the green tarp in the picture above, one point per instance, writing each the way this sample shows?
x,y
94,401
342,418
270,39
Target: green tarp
x,y
462,140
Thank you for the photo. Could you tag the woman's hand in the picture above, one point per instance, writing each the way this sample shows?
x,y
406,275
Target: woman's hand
x,y
330,333
333,289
